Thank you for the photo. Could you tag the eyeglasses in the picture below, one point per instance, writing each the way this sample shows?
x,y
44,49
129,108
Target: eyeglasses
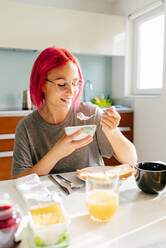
x,y
63,84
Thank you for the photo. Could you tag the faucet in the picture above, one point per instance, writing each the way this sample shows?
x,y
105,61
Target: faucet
x,y
87,82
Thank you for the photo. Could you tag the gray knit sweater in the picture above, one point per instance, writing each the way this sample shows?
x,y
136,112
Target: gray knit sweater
x,y
35,137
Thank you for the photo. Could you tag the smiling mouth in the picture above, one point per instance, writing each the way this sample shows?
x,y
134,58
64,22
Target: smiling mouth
x,y
66,100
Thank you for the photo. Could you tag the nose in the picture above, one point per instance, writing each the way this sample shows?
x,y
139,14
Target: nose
x,y
70,89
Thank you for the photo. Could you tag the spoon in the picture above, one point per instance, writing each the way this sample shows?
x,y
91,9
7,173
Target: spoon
x,y
83,117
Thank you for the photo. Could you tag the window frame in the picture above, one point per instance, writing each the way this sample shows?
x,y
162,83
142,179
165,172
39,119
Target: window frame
x,y
132,63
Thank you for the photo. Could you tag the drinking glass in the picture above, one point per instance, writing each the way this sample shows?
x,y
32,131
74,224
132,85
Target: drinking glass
x,y
102,198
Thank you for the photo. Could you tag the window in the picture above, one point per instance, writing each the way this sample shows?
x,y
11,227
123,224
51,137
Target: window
x,y
146,34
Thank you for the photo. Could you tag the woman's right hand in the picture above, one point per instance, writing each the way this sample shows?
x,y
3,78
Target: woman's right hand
x,y
66,145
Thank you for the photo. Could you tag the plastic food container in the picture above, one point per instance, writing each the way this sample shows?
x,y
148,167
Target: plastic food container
x,y
49,226
48,222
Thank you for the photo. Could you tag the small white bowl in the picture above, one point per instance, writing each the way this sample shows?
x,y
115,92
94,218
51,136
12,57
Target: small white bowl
x,y
85,131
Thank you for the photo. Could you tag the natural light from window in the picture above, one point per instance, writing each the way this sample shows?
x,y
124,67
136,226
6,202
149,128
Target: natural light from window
x,y
150,53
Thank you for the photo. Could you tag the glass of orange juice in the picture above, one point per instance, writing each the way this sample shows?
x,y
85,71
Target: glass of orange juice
x,y
102,198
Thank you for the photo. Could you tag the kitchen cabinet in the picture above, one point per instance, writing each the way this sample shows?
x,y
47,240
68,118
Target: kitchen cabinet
x,y
31,26
7,134
102,34
5,168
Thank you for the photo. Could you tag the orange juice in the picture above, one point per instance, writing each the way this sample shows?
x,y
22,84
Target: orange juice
x,y
102,205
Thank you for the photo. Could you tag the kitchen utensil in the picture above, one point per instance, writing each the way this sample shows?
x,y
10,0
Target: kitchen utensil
x,y
72,185
151,176
87,97
58,184
83,117
26,103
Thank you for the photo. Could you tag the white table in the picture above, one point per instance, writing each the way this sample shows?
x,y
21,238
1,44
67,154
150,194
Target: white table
x,y
139,222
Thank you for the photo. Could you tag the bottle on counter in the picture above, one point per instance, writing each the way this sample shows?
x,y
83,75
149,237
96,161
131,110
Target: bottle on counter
x,y
26,103
10,218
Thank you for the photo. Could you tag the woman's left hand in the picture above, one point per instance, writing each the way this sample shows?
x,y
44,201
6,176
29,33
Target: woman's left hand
x,y
124,150
110,120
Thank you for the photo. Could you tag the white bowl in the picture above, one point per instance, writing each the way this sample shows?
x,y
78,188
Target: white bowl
x,y
85,131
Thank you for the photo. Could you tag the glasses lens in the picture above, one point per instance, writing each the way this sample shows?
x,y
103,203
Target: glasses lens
x,y
63,84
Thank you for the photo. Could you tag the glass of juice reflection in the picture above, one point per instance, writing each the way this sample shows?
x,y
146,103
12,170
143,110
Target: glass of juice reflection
x,y
102,198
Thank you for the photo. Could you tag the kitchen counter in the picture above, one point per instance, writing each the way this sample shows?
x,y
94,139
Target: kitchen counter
x,y
122,109
15,112
139,222
119,108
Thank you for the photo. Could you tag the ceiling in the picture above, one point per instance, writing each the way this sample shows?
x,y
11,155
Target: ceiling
x,y
99,6
52,2
109,1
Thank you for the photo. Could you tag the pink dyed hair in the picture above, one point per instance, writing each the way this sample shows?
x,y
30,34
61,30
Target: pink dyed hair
x,y
48,59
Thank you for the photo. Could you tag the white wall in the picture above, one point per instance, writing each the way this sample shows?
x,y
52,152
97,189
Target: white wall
x,y
149,113
150,128
117,87
117,82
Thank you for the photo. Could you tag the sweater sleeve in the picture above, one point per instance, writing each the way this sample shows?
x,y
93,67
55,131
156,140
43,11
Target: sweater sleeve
x,y
22,158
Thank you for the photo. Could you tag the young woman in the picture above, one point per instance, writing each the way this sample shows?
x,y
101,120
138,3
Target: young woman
x,y
41,145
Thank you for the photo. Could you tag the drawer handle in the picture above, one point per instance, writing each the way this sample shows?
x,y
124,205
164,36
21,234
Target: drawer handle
x,y
7,136
6,154
125,129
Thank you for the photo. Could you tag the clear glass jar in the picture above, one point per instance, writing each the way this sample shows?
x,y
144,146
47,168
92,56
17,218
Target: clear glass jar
x,y
9,221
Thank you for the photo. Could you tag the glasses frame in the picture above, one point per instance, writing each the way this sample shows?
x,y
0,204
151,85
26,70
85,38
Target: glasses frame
x,y
73,86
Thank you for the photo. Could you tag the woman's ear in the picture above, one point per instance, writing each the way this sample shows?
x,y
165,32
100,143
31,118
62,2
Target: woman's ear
x,y
43,91
43,88
43,95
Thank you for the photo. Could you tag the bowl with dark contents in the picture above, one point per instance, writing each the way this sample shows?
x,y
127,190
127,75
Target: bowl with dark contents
x,y
151,176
